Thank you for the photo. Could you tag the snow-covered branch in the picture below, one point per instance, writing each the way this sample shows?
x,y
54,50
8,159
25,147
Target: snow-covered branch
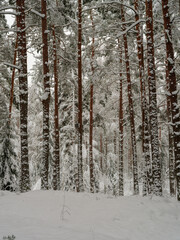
x,y
7,12
7,7
37,13
11,65
109,3
129,28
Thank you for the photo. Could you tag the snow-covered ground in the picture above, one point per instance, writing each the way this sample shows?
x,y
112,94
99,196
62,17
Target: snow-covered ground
x,y
50,215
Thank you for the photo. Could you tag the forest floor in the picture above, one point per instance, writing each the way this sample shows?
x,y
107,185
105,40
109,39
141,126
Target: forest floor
x,y
50,215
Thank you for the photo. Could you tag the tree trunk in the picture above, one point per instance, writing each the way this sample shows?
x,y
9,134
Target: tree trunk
x,y
172,86
91,164
45,100
80,186
56,167
121,165
156,166
101,154
12,80
23,94
131,110
145,130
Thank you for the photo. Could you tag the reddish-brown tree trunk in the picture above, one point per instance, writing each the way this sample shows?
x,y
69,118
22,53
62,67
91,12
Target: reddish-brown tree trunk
x,y
121,165
145,130
23,94
131,110
172,88
172,186
80,186
156,166
46,99
91,164
12,80
56,167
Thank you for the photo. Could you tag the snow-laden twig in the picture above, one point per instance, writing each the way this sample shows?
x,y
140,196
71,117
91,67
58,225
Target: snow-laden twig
x,y
11,65
37,13
108,3
7,7
7,12
129,28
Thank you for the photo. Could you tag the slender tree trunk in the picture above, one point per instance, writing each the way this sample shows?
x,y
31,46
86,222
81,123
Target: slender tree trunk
x,y
91,164
172,187
172,86
131,111
145,130
121,165
23,94
12,80
46,99
115,146
80,187
156,166
101,153
56,167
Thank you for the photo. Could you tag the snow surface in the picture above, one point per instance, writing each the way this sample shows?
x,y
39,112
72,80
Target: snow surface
x,y
53,215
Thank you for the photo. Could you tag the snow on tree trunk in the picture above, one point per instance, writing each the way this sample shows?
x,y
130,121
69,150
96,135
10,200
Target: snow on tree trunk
x,y
23,95
121,165
131,109
172,86
45,99
145,131
12,80
156,166
56,160
80,186
91,164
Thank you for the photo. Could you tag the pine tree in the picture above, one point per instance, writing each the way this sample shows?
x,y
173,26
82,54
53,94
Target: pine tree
x,y
131,109
80,124
91,164
8,158
56,167
156,166
172,87
46,98
23,94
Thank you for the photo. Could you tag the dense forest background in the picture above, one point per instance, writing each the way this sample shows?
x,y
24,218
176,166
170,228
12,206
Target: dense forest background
x,y
99,111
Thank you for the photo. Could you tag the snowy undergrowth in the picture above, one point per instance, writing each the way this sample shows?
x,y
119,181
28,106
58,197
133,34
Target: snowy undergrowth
x,y
50,215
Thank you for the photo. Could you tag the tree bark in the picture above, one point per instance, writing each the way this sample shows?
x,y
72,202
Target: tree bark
x,y
12,80
131,110
56,167
172,86
91,164
80,186
23,95
145,130
101,154
121,165
156,166
46,99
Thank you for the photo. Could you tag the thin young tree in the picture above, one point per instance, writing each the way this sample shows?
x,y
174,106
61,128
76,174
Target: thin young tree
x,y
80,124
91,164
131,108
121,179
23,94
172,88
45,99
172,180
12,80
56,162
156,166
